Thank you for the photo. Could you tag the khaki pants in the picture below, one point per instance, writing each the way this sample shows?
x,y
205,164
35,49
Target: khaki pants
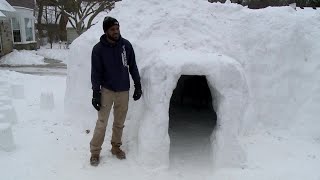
x,y
119,100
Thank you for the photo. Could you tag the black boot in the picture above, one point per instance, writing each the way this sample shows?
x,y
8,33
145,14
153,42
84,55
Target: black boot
x,y
115,150
94,160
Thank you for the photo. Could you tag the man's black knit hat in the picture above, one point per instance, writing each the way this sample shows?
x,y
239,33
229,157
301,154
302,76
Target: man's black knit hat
x,y
108,22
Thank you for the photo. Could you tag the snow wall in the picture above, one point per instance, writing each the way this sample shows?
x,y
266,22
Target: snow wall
x,y
262,68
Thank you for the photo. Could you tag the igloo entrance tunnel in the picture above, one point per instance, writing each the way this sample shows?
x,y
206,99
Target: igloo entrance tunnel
x,y
227,91
192,120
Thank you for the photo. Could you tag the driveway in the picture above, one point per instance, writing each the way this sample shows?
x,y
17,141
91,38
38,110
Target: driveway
x,y
54,67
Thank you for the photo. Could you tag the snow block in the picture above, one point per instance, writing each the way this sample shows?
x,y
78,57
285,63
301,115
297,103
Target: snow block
x,y
3,92
9,113
2,83
6,137
17,91
4,100
46,101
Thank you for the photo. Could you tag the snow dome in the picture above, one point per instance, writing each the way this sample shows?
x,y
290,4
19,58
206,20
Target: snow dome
x,y
204,61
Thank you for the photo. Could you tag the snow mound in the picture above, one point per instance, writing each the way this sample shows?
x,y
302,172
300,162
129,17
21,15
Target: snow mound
x,y
22,57
56,54
256,63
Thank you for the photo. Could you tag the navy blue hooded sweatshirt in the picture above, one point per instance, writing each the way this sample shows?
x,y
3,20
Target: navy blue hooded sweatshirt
x,y
111,64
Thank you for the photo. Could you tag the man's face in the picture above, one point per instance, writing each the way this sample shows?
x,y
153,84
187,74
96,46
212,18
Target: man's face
x,y
113,33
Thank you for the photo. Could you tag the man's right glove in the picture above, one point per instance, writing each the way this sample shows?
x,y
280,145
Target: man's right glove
x,y
96,100
137,92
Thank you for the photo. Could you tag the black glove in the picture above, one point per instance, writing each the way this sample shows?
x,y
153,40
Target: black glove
x,y
137,92
96,100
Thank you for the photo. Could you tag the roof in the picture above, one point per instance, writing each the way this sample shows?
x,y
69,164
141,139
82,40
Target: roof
x,y
5,6
22,3
2,15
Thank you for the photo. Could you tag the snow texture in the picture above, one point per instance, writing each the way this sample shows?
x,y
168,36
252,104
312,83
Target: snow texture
x,y
56,53
261,65
22,57
17,91
6,137
9,113
47,101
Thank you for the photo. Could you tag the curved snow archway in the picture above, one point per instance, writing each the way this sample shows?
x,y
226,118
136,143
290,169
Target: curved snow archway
x,y
228,87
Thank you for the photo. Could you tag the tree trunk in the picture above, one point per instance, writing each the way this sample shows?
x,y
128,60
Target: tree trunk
x,y
63,27
40,14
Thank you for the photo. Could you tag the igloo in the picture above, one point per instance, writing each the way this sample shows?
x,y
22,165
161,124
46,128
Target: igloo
x,y
228,88
249,75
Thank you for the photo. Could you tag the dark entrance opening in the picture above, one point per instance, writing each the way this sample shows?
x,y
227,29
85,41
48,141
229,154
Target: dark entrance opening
x,y
192,120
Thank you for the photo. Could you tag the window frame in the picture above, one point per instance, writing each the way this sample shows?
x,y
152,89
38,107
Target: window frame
x,y
32,29
18,20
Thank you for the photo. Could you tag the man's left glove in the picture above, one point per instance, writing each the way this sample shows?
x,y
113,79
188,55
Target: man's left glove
x,y
96,100
137,92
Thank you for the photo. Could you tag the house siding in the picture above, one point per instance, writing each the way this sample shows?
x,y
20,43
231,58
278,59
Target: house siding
x,y
21,14
26,46
6,37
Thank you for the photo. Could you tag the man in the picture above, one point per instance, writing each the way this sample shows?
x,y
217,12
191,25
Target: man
x,y
112,60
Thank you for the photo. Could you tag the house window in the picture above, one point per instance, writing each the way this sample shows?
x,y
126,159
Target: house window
x,y
16,30
29,29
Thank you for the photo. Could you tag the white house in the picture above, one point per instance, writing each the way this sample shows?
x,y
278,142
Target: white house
x,y
6,44
22,24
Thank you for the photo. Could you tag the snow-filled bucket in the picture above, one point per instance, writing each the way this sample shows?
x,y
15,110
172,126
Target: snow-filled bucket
x,y
46,101
9,113
6,137
17,91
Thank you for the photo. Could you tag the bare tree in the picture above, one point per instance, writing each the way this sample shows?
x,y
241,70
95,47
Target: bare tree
x,y
39,17
78,11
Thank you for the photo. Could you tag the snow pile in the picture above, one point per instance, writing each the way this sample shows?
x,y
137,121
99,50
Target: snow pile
x,y
262,68
22,57
56,54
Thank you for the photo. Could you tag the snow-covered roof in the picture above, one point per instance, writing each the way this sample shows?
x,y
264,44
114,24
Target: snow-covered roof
x,y
22,3
2,15
5,6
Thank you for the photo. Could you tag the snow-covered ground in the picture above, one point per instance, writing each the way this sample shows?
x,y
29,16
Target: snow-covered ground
x,y
50,147
275,50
